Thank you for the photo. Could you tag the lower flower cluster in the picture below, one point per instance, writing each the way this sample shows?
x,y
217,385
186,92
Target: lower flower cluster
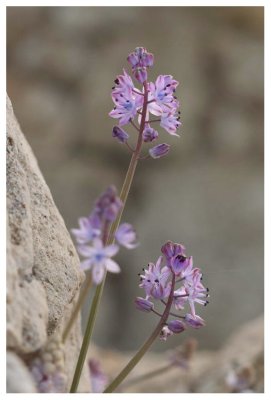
x,y
173,268
94,234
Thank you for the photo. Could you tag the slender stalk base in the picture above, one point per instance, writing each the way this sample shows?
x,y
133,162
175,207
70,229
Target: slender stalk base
x,y
143,349
77,308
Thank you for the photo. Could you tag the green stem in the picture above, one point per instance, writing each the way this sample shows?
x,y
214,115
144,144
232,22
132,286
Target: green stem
x,y
77,308
143,349
110,239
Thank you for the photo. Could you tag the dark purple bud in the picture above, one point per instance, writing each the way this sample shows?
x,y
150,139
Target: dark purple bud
x,y
176,326
143,304
159,151
195,322
179,263
149,134
120,134
170,250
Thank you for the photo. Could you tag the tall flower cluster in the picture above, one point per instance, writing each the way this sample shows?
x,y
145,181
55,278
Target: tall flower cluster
x,y
93,234
160,99
173,268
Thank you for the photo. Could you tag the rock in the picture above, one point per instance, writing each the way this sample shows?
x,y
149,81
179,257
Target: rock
x,y
43,275
19,379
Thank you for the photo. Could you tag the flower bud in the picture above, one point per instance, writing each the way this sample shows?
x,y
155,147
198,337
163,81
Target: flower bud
x,y
140,74
176,326
140,58
159,151
179,263
195,322
143,304
165,333
170,250
149,134
120,134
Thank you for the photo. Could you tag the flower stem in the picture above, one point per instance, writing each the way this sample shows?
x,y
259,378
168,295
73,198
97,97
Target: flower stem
x,y
110,239
143,349
77,308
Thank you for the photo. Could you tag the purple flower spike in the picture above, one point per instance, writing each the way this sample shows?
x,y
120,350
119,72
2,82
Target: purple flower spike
x,y
195,321
98,259
176,326
159,151
149,134
143,304
170,250
120,134
165,333
155,281
126,236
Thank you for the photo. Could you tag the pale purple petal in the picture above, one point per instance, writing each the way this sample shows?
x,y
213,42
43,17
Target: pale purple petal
x,y
98,271
111,250
112,266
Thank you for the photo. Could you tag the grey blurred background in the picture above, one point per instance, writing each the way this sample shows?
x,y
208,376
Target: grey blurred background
x,y
208,193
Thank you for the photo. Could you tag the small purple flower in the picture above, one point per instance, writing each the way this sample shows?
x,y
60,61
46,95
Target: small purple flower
x,y
155,281
126,236
98,379
159,151
124,83
149,134
195,321
176,326
170,250
120,134
162,91
195,290
108,204
165,333
98,259
88,229
126,106
170,122
143,304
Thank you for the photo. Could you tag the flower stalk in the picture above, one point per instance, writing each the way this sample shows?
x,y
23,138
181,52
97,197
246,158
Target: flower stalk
x,y
145,347
110,240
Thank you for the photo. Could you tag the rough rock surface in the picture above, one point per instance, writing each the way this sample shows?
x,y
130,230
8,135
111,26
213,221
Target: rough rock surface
x,y
43,276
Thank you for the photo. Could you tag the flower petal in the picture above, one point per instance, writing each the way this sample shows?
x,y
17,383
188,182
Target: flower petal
x,y
112,266
98,273
111,250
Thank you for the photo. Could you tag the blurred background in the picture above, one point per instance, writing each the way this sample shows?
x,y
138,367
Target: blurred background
x,y
207,193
